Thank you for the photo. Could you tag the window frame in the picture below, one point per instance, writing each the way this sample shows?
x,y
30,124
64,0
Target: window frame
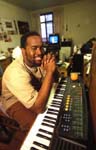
x,y
46,22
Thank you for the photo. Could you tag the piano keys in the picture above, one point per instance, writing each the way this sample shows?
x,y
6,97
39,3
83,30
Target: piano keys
x,y
40,135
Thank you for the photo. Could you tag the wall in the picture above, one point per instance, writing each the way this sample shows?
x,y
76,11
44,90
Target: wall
x,y
11,12
58,18
80,20
76,20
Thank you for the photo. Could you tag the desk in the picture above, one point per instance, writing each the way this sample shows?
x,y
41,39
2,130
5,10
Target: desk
x,y
5,62
63,69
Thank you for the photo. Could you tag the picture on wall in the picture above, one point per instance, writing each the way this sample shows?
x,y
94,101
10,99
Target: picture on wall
x,y
23,27
8,26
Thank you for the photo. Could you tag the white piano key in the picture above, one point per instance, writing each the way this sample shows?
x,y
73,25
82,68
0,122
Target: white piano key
x,y
58,94
57,99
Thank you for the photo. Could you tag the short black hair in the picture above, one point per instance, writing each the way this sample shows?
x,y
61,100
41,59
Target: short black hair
x,y
25,36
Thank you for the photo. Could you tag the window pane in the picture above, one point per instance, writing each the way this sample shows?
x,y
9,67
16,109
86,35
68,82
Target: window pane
x,y
49,17
42,18
49,29
46,21
43,30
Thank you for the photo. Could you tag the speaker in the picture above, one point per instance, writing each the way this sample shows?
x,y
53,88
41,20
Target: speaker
x,y
77,63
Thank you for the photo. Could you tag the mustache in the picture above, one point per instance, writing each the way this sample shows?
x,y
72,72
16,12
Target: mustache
x,y
41,56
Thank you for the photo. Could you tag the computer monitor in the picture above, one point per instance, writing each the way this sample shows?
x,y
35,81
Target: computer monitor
x,y
54,39
54,45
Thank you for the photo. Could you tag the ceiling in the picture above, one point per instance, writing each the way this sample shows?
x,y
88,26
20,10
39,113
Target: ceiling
x,y
38,4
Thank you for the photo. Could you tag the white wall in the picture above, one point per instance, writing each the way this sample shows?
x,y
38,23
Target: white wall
x,y
58,18
11,12
78,17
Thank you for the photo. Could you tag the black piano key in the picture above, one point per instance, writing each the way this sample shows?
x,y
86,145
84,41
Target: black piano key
x,y
62,87
50,118
53,105
56,101
43,136
47,132
49,121
58,98
56,104
33,148
49,125
41,145
50,109
60,91
51,112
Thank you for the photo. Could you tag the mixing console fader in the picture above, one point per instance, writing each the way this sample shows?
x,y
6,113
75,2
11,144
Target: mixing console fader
x,y
72,124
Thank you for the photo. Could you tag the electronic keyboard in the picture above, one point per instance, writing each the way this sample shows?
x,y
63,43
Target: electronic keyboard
x,y
64,123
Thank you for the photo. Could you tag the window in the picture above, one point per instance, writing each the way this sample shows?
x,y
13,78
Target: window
x,y
46,21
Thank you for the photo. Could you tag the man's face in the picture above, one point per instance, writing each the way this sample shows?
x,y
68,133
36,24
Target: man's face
x,y
33,52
